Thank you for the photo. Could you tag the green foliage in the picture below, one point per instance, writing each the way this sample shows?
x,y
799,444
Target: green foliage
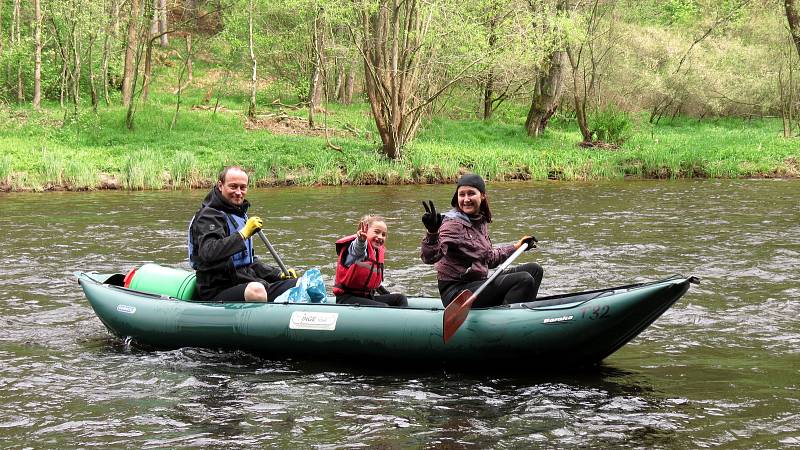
x,y
6,163
681,12
732,72
80,174
53,169
142,170
610,125
184,170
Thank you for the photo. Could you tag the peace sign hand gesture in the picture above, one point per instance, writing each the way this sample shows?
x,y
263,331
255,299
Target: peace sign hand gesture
x,y
431,219
362,231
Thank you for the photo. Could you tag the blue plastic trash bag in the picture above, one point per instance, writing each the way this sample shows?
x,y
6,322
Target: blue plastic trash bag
x,y
310,288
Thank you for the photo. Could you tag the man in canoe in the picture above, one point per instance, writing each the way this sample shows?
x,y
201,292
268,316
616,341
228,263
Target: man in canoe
x,y
458,243
221,246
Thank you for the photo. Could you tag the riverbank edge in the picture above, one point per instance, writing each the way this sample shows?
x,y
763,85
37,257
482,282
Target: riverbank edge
x,y
112,182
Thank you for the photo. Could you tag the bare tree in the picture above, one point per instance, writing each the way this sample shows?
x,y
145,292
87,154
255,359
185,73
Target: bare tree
x,y
191,13
110,34
786,90
251,107
549,84
16,38
399,68
346,63
2,4
131,44
76,60
794,21
585,58
665,102
162,23
37,55
148,54
92,83
317,82
547,94
488,87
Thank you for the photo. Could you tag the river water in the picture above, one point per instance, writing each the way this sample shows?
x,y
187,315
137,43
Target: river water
x,y
720,368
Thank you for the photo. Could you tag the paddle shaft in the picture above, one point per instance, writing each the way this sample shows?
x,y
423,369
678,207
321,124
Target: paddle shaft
x,y
497,272
456,312
274,253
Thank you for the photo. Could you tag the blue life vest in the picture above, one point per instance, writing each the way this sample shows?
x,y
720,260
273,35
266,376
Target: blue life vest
x,y
234,222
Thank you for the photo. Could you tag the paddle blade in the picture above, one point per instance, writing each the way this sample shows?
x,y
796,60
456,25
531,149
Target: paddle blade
x,y
456,313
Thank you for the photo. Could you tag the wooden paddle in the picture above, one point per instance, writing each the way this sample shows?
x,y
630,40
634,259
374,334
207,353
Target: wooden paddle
x,y
274,253
456,312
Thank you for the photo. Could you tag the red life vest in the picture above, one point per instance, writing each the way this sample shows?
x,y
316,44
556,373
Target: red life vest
x,y
362,277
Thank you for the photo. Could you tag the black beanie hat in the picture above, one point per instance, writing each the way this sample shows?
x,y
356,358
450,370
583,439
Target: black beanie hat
x,y
469,179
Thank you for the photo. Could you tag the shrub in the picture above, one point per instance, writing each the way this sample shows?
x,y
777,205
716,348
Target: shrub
x,y
610,125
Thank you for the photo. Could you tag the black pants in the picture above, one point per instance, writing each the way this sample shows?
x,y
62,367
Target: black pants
x,y
274,290
378,300
515,285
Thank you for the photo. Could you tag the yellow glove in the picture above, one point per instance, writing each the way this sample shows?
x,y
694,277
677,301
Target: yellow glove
x,y
251,227
292,274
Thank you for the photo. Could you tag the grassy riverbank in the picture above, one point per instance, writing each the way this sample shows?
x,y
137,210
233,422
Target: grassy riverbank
x,y
38,151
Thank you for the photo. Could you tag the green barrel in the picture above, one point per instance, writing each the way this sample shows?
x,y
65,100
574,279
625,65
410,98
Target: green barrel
x,y
157,279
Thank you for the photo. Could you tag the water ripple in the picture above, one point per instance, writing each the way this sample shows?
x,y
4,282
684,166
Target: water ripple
x,y
718,369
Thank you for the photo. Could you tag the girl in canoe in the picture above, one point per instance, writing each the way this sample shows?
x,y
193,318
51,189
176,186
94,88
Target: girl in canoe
x,y
359,269
458,243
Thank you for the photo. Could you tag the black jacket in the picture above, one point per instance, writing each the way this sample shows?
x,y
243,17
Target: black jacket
x,y
214,244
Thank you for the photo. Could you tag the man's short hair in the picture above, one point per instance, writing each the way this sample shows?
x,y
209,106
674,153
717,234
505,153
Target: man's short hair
x,y
224,172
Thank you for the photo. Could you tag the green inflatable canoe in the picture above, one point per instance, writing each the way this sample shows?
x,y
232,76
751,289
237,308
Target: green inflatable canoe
x,y
578,329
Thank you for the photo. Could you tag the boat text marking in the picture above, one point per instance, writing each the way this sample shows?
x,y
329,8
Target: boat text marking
x,y
597,312
309,320
126,309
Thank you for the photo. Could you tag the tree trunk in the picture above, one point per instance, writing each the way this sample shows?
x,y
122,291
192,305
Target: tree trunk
x,y
579,100
37,58
251,108
105,61
488,88
154,25
488,93
316,83
179,91
162,23
786,91
63,53
17,32
189,66
76,68
344,92
191,19
547,95
131,110
350,85
113,39
148,55
148,69
130,54
338,91
794,22
90,63
2,3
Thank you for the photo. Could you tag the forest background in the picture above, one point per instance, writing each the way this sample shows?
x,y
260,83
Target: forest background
x,y
151,94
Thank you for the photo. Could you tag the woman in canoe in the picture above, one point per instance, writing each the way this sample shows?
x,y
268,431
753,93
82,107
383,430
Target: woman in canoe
x,y
359,269
458,243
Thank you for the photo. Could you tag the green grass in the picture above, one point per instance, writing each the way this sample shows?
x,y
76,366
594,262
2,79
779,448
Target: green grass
x,y
40,152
